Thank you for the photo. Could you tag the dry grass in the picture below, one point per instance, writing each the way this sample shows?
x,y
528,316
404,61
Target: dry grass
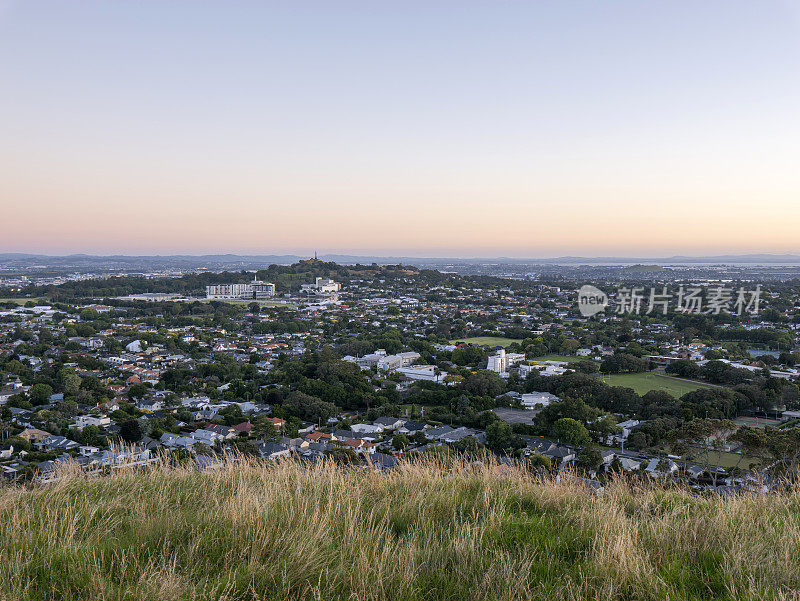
x,y
425,531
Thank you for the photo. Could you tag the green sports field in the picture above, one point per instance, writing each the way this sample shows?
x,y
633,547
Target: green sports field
x,y
488,340
236,301
564,358
39,300
645,382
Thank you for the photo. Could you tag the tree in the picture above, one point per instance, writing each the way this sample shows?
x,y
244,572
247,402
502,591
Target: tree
x,y
623,363
137,391
19,444
604,427
90,435
400,442
19,400
113,346
656,403
615,467
718,403
590,456
70,381
344,455
89,314
585,367
500,437
130,430
309,407
569,346
468,445
471,355
484,383
790,396
708,435
570,431
638,440
202,449
783,444
569,407
232,414
40,394
263,428
539,463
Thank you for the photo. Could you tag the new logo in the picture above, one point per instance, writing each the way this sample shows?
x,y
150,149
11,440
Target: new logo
x,y
591,300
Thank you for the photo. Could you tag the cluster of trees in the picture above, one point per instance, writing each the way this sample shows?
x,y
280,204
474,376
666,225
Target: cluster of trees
x,y
624,363
573,421
716,372
591,402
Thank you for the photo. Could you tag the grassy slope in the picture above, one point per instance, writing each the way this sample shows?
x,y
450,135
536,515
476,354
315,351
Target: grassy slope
x,y
284,532
645,382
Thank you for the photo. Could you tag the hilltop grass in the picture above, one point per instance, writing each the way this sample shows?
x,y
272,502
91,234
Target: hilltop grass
x,y
425,531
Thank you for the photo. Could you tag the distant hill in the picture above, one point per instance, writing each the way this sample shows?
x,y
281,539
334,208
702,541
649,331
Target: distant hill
x,y
235,261
287,278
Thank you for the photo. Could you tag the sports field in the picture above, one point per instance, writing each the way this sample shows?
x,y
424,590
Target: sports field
x,y
39,300
645,382
237,301
724,459
564,358
756,422
487,340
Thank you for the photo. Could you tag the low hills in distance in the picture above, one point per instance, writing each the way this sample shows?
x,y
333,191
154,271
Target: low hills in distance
x,y
221,261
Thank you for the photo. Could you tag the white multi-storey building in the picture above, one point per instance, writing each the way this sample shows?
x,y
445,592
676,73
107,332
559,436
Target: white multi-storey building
x,y
422,372
262,290
321,286
101,421
500,362
383,361
254,290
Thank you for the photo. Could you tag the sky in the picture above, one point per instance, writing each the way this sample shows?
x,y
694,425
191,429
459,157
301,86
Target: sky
x,y
473,129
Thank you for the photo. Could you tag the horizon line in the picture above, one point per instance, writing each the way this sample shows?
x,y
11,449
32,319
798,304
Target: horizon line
x,y
726,255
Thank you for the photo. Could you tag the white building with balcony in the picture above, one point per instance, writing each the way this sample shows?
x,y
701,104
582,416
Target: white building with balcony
x,y
321,287
500,362
255,290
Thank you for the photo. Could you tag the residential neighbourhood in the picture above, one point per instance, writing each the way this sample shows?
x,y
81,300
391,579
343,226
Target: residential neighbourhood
x,y
399,301
372,365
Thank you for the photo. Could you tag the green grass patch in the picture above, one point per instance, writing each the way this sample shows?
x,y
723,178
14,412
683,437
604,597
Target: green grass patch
x,y
564,358
724,459
39,300
423,532
487,340
645,382
237,301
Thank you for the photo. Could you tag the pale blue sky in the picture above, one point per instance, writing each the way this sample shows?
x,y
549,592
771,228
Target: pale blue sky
x,y
445,128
